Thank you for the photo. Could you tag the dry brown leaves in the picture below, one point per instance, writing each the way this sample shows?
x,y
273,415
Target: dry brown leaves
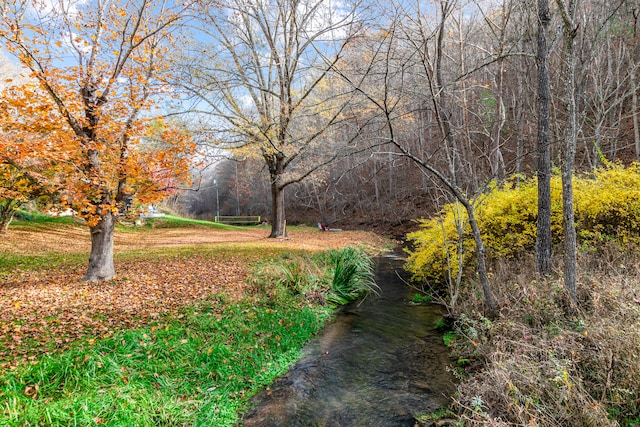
x,y
47,310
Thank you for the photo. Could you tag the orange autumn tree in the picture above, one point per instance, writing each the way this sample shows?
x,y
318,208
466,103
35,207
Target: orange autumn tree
x,y
98,65
24,175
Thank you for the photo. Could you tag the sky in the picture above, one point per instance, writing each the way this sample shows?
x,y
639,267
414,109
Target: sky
x,y
8,70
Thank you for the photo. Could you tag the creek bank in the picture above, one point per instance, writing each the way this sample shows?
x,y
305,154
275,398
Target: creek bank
x,y
379,363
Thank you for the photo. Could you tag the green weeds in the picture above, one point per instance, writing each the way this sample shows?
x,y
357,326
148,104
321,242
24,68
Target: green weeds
x,y
352,275
35,218
194,366
173,221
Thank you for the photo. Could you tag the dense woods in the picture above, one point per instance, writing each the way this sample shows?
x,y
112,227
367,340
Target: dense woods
x,y
458,84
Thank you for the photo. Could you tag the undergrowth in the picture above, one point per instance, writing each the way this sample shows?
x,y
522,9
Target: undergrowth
x,y
541,362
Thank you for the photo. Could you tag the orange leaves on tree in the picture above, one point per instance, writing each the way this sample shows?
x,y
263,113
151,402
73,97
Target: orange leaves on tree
x,y
97,71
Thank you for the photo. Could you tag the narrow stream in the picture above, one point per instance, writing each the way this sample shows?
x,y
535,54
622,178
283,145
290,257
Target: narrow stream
x,y
379,363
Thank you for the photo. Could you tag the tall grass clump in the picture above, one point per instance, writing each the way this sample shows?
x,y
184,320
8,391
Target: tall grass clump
x,y
353,275
338,276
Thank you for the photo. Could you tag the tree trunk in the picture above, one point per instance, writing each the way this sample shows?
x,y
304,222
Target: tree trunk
x,y
568,160
101,266
543,233
482,267
276,163
498,171
6,215
634,115
277,211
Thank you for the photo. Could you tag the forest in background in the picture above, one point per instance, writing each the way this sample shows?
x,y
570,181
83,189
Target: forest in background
x,y
320,104
459,82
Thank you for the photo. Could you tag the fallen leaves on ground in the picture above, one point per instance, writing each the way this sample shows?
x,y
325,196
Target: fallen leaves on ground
x,y
48,310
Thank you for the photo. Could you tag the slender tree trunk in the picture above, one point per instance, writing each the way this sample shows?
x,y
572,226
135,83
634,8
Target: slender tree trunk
x,y
101,267
482,267
634,115
497,161
634,97
6,215
543,233
568,160
441,101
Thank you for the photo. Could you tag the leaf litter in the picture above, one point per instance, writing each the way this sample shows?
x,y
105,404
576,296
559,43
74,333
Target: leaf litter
x,y
50,309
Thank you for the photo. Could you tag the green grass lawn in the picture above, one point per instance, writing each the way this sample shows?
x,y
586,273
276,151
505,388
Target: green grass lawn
x,y
197,365
197,368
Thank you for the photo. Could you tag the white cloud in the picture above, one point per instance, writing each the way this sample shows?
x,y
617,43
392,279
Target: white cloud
x,y
58,7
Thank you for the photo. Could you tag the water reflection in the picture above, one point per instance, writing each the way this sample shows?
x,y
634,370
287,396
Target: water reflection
x,y
379,363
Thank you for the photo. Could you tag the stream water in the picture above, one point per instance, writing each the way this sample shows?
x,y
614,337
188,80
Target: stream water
x,y
380,363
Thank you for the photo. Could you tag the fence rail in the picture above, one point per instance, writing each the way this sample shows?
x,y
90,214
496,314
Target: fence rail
x,y
238,220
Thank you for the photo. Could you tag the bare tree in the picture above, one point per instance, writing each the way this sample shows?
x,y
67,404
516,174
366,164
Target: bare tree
x,y
261,75
382,85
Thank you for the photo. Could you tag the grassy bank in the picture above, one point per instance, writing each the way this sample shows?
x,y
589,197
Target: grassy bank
x,y
184,335
542,363
196,367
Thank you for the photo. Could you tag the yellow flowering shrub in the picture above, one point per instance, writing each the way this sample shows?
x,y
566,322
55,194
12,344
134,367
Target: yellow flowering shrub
x,y
607,207
436,245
